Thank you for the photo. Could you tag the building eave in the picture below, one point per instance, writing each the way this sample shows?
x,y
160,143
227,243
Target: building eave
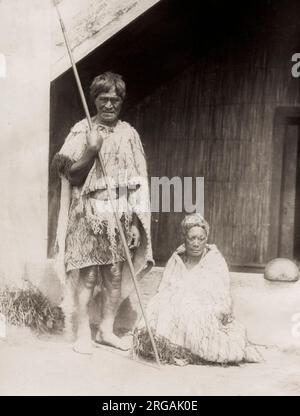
x,y
91,27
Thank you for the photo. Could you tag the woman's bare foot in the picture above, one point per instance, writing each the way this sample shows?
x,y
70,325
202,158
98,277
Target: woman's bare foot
x,y
83,345
108,338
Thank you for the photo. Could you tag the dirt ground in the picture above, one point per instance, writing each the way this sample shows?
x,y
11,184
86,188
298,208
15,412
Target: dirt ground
x,y
46,365
31,365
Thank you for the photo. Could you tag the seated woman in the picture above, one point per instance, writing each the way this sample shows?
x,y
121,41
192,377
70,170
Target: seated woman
x,y
191,315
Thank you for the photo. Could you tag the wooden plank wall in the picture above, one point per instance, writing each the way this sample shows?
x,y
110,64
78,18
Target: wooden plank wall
x,y
216,120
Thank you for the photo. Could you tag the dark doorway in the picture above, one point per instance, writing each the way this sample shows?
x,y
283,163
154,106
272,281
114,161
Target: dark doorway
x,y
286,177
288,190
297,200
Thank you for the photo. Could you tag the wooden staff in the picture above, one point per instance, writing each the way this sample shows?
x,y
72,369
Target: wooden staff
x,y
119,225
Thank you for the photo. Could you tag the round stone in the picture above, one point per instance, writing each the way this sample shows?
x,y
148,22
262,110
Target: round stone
x,y
281,270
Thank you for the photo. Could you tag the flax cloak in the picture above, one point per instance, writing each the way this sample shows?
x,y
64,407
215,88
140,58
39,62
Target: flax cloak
x,y
191,316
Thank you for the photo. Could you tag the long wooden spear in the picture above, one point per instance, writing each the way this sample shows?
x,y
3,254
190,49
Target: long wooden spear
x,y
119,225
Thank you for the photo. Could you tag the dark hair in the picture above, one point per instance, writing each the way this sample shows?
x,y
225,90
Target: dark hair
x,y
104,82
194,220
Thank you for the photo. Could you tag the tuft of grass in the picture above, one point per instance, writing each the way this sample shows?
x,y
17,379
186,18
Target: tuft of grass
x,y
29,307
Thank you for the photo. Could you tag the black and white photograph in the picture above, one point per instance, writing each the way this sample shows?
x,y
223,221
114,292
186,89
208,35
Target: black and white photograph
x,y
150,199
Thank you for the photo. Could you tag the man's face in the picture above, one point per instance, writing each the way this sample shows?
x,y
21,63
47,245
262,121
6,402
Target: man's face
x,y
108,106
195,241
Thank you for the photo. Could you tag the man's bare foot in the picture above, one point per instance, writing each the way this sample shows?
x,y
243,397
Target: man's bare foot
x,y
253,355
83,345
108,338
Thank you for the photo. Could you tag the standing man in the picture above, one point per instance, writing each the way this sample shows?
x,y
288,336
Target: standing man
x,y
87,229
